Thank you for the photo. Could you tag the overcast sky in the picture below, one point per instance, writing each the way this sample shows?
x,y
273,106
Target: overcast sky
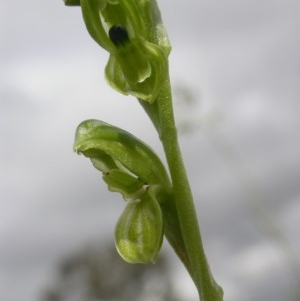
x,y
240,61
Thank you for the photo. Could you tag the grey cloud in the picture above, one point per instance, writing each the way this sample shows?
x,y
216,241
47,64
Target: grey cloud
x,y
240,57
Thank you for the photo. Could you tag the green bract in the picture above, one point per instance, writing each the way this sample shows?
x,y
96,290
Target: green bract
x,y
128,164
138,65
139,231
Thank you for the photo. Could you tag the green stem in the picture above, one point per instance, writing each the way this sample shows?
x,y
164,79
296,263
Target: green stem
x,y
208,289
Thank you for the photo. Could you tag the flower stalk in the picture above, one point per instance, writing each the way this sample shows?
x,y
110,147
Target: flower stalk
x,y
197,264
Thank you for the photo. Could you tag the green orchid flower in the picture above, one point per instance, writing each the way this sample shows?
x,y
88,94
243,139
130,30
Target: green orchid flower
x,y
137,65
131,168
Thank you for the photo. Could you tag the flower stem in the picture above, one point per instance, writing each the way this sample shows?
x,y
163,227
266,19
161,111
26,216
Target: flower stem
x,y
208,289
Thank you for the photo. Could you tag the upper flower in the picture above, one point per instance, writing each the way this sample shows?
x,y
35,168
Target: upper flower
x,y
132,32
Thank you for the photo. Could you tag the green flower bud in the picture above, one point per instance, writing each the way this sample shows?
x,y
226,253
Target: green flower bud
x,y
139,231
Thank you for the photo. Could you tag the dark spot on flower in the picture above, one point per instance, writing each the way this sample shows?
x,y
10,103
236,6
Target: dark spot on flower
x,y
118,35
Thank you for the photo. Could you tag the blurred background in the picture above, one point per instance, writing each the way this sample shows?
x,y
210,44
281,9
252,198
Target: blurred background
x,y
235,69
